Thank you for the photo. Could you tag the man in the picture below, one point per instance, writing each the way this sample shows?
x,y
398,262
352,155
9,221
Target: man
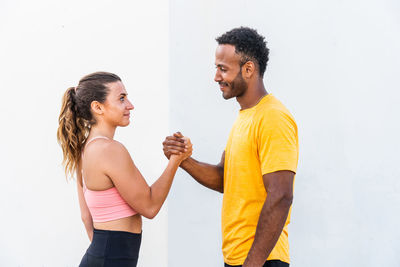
x,y
257,168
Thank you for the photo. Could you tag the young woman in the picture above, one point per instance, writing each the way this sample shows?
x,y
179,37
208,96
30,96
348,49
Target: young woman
x,y
113,195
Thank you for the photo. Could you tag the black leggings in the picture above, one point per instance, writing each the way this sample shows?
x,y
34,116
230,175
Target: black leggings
x,y
271,263
112,249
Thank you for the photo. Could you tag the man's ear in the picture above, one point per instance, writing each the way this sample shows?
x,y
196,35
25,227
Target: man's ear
x,y
97,107
248,69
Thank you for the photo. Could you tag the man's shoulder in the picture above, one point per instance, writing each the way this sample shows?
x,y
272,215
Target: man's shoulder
x,y
272,111
272,116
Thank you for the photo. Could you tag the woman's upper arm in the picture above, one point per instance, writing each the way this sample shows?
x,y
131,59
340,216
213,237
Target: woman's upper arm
x,y
127,178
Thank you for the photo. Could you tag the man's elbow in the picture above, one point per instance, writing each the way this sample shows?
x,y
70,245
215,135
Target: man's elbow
x,y
219,189
280,199
286,199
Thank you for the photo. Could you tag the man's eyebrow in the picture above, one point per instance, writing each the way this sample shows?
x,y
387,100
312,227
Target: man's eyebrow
x,y
123,94
220,65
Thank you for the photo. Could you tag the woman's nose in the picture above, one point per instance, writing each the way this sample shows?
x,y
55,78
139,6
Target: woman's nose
x,y
130,106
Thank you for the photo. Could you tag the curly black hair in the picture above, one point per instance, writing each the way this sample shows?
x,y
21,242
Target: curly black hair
x,y
249,45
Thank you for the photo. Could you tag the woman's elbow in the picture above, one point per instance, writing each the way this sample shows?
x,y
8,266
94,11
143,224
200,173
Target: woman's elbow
x,y
149,216
150,213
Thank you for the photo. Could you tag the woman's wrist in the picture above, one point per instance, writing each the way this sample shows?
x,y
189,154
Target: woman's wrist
x,y
175,159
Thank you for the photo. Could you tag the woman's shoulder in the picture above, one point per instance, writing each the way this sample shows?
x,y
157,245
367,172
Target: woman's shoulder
x,y
106,148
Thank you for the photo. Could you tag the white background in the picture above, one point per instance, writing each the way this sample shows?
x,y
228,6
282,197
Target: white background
x,y
46,47
334,64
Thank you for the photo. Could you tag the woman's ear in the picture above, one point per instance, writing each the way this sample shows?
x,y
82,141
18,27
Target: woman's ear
x,y
97,107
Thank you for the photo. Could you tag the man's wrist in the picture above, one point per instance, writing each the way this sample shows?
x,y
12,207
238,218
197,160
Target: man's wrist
x,y
185,163
252,263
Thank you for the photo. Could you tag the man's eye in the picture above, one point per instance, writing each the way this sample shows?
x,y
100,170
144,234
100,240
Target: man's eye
x,y
221,68
122,98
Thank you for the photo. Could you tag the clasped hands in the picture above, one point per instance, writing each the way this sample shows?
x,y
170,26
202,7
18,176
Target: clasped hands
x,y
177,145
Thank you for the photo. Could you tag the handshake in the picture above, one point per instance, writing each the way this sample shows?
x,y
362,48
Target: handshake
x,y
177,146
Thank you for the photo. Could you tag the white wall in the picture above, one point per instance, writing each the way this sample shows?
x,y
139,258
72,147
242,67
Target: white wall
x,y
335,65
47,46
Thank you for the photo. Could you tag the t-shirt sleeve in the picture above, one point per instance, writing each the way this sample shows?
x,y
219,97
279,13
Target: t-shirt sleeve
x,y
277,142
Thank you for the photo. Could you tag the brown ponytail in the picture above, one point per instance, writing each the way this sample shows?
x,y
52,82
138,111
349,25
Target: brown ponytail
x,y
76,118
71,133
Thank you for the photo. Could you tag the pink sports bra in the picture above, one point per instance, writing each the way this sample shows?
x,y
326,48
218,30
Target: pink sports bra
x,y
106,205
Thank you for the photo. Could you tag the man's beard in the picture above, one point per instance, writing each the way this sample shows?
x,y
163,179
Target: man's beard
x,y
237,87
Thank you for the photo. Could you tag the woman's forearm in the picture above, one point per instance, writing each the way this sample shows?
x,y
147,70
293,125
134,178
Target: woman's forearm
x,y
159,189
89,229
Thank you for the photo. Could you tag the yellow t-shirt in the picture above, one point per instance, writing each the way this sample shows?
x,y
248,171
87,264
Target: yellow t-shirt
x,y
263,139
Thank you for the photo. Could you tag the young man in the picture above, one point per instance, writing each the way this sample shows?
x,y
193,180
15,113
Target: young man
x,y
257,168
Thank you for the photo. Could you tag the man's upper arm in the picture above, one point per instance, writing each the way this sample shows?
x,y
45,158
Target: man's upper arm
x,y
279,183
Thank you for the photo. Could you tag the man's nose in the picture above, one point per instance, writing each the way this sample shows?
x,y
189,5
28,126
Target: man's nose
x,y
217,77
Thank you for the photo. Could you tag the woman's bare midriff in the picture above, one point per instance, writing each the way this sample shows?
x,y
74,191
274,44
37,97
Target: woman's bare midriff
x,y
132,224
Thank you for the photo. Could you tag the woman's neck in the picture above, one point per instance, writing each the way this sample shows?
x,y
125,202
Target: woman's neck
x,y
102,130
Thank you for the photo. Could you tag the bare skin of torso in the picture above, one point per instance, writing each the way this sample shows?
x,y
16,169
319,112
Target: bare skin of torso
x,y
131,224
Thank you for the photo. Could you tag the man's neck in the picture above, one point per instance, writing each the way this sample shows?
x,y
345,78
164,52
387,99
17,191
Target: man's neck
x,y
252,96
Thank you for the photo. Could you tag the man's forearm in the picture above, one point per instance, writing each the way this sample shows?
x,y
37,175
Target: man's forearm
x,y
270,224
211,176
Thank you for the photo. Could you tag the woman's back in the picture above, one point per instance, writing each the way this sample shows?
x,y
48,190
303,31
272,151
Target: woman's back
x,y
93,164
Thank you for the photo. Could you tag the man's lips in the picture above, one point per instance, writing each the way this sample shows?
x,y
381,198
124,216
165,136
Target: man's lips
x,y
222,85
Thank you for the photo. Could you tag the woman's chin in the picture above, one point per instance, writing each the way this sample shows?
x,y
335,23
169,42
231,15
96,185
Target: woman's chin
x,y
125,123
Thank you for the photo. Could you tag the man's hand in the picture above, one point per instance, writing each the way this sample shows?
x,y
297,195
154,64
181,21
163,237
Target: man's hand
x,y
187,153
175,144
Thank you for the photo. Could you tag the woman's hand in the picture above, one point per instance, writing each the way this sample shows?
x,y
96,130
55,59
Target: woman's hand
x,y
174,144
178,147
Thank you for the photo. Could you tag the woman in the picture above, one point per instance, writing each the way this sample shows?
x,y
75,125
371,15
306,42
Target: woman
x,y
113,195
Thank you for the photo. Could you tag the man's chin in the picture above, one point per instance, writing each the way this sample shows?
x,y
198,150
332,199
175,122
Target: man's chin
x,y
227,96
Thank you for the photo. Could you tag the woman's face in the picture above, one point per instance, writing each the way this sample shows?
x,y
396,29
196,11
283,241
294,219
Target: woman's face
x,y
117,107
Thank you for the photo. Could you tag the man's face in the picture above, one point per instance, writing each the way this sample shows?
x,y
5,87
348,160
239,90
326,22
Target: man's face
x,y
228,74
